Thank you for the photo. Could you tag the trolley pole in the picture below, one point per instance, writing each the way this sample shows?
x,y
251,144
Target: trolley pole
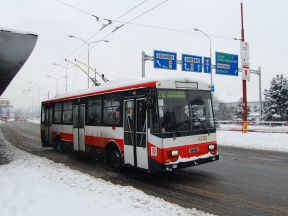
x,y
66,77
143,64
244,83
88,64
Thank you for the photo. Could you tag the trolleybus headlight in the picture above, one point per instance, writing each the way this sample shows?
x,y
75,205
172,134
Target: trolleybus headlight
x,y
174,153
211,147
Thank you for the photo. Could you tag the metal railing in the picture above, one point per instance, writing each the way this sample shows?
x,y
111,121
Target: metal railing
x,y
254,126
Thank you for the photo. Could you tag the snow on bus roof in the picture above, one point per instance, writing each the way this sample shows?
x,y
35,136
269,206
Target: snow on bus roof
x,y
117,85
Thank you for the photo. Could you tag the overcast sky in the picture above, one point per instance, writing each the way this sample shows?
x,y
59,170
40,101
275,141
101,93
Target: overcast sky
x,y
265,29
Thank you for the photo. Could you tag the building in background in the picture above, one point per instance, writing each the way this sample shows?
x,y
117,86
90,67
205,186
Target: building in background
x,y
6,109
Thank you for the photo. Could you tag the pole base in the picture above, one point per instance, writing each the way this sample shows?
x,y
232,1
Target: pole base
x,y
245,126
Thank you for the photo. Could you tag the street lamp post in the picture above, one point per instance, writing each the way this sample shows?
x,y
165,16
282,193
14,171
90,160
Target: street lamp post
x,y
66,75
56,79
88,45
210,46
38,101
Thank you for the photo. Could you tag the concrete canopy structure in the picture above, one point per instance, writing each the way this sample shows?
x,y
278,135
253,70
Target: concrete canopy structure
x,y
15,48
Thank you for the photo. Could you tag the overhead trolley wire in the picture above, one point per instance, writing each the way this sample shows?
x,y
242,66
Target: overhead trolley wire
x,y
87,13
131,20
93,35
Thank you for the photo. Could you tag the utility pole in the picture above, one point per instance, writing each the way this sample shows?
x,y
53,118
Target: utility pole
x,y
66,73
88,64
244,82
260,94
143,64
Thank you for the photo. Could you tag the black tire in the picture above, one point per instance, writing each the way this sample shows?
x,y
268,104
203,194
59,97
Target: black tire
x,y
59,145
115,159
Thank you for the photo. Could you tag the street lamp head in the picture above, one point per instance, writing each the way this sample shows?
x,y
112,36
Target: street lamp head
x,y
71,36
195,29
98,41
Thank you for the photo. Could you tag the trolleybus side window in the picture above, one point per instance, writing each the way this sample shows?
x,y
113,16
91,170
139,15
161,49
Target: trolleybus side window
x,y
43,114
57,113
94,111
111,110
67,112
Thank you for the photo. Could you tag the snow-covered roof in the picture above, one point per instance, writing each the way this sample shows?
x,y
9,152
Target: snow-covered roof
x,y
117,85
16,31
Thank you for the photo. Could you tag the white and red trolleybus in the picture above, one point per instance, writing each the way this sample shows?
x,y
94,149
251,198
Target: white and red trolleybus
x,y
154,125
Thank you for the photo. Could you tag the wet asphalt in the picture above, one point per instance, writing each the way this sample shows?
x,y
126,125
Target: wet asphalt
x,y
242,182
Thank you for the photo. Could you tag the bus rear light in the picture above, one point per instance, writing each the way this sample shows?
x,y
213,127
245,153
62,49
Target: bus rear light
x,y
174,153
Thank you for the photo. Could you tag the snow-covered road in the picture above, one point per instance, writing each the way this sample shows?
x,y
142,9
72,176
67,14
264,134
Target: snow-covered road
x,y
31,185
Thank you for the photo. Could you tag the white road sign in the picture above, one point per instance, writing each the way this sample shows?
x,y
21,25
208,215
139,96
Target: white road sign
x,y
245,70
244,49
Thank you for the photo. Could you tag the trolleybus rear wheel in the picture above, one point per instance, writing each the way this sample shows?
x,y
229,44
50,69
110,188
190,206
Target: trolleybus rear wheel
x,y
115,159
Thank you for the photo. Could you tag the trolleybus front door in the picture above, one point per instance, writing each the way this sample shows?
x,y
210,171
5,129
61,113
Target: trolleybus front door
x,y
135,133
48,126
79,127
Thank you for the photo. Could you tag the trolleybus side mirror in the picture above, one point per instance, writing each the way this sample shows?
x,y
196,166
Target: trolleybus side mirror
x,y
149,101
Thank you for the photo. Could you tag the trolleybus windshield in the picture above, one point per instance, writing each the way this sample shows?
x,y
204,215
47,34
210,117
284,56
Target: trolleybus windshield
x,y
185,110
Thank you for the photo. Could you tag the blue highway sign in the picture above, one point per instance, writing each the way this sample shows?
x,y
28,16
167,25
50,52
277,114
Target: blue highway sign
x,y
226,64
191,63
207,65
212,88
165,60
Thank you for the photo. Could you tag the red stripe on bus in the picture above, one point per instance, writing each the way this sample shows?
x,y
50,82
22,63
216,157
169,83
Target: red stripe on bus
x,y
64,136
142,85
103,141
100,142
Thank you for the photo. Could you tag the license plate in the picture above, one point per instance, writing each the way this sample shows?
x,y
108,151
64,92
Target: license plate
x,y
192,150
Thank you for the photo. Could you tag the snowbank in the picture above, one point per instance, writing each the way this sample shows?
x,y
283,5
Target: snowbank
x,y
261,141
255,127
35,121
32,185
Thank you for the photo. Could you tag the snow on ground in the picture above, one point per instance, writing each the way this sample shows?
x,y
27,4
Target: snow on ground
x,y
252,140
35,121
32,185
255,127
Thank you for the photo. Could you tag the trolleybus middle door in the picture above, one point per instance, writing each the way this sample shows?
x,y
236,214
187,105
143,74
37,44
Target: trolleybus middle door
x,y
50,117
135,133
79,127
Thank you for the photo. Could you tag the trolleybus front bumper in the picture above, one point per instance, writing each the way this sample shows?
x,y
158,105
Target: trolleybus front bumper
x,y
170,167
